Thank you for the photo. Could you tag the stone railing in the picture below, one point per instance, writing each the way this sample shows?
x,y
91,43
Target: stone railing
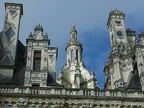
x,y
70,92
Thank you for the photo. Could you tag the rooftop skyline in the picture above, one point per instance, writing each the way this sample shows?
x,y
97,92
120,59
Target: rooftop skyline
x,y
90,19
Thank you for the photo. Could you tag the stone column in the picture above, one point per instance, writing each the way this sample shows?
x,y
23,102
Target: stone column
x,y
118,70
104,106
67,56
79,56
111,106
112,81
125,106
74,54
98,106
70,58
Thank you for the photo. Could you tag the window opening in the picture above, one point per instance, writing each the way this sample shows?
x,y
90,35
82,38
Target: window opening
x,y
72,56
35,85
118,22
37,60
77,55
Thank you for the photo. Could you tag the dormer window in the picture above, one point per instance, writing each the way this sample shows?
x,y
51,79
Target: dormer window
x,y
37,61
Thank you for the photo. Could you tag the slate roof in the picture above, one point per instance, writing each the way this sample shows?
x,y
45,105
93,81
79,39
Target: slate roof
x,y
1,34
18,75
135,81
52,82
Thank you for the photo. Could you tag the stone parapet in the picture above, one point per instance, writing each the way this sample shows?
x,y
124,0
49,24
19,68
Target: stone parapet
x,y
20,90
30,97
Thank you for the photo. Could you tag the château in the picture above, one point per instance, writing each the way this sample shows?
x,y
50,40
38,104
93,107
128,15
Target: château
x,y
28,73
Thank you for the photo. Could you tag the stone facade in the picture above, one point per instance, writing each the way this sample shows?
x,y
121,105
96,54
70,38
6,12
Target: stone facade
x,y
28,73
26,97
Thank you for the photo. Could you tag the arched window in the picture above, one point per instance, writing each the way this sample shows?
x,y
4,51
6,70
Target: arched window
x,y
72,56
77,55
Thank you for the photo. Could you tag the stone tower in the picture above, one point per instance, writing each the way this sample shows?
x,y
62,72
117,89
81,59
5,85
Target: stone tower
x,y
41,59
75,74
119,69
9,41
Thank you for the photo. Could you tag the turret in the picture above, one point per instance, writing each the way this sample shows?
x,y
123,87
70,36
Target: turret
x,y
75,74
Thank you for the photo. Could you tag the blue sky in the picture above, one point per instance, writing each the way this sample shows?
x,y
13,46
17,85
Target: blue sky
x,y
89,17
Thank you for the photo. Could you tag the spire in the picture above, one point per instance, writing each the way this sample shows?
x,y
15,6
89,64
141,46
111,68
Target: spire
x,y
60,72
73,40
73,32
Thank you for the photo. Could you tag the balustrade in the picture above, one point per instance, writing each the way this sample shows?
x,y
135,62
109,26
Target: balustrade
x,y
62,91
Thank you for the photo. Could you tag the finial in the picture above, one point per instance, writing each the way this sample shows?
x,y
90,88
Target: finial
x,y
73,26
60,72
73,32
30,35
92,72
46,36
60,69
